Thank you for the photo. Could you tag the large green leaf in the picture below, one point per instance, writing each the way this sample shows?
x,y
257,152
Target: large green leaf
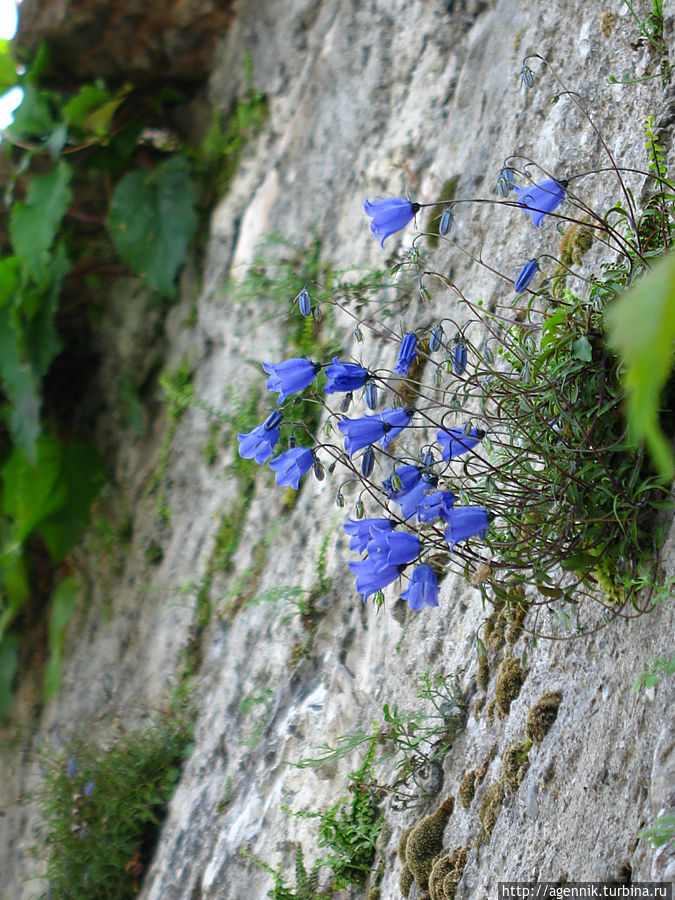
x,y
33,118
64,601
34,223
152,219
83,475
32,493
641,327
8,76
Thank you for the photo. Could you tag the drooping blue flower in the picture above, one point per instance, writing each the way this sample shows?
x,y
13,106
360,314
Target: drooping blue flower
x,y
422,588
344,377
435,338
406,354
392,548
526,275
505,183
411,500
290,376
459,358
89,788
259,443
541,199
383,427
367,462
370,578
389,215
292,465
465,522
402,480
362,531
370,394
455,441
304,303
434,506
445,224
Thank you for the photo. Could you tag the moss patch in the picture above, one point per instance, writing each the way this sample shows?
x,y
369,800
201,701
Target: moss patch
x,y
425,842
490,807
515,763
493,631
483,673
467,789
510,679
446,873
542,715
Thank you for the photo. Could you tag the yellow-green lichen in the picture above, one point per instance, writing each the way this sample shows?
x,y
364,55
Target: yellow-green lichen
x,y
478,707
607,22
493,631
467,789
405,880
542,715
515,763
402,841
510,678
374,893
425,842
483,673
490,807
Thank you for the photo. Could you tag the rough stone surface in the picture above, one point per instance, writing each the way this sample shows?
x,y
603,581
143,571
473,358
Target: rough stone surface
x,y
366,100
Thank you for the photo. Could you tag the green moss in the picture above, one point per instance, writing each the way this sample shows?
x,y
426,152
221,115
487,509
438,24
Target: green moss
x,y
607,22
445,874
425,842
510,678
483,673
493,630
448,192
515,763
542,715
518,609
374,893
402,841
478,707
467,788
490,807
405,880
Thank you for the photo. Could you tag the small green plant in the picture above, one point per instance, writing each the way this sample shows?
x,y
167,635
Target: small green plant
x,y
306,883
661,832
103,809
660,667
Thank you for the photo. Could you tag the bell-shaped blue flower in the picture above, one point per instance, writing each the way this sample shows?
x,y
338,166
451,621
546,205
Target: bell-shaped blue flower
x,y
459,358
290,376
435,338
526,275
383,427
361,531
393,548
436,505
465,522
411,500
422,588
292,465
344,377
370,578
407,354
259,443
541,199
370,394
304,302
402,480
455,441
389,215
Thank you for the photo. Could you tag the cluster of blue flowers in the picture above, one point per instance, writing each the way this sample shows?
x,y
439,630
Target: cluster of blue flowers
x,y
386,545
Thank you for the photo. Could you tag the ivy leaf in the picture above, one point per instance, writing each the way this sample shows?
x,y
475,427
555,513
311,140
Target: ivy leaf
x,y
64,601
32,492
641,327
34,223
152,219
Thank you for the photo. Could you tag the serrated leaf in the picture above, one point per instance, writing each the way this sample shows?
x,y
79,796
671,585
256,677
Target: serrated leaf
x,y
34,223
64,601
152,219
31,493
641,326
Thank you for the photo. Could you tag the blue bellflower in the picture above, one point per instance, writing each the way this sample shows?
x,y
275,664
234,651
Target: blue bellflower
x,y
383,427
541,199
406,477
407,354
344,377
292,465
392,548
370,578
459,358
422,588
290,376
434,506
259,443
389,215
455,441
526,275
466,522
412,499
361,531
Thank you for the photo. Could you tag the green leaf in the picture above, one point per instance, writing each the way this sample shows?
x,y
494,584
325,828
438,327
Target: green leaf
x,y
64,600
83,475
33,224
22,388
152,219
8,76
92,109
9,661
31,493
581,349
641,327
33,117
